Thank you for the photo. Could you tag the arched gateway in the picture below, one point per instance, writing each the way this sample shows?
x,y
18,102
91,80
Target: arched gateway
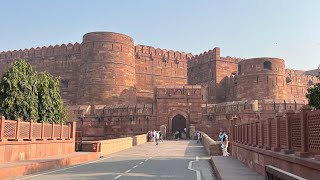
x,y
178,123
178,120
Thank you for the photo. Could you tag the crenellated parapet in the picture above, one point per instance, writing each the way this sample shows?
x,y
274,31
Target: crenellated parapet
x,y
205,57
143,51
57,50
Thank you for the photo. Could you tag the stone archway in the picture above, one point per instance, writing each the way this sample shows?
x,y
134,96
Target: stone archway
x,y
178,123
177,120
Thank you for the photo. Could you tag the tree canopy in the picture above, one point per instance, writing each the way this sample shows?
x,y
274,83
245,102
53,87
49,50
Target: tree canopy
x,y
27,95
313,96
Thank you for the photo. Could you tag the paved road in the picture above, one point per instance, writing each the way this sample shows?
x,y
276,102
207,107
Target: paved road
x,y
174,160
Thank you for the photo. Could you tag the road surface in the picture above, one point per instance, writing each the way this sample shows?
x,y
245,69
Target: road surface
x,y
185,160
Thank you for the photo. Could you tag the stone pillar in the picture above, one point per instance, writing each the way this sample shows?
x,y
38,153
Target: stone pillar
x,y
163,130
261,135
192,130
232,128
304,132
267,145
288,150
277,122
2,119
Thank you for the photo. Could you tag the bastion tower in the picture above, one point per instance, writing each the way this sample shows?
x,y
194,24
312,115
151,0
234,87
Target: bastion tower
x,y
108,67
261,78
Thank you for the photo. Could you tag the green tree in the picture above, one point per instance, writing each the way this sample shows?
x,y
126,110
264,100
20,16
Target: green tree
x,y
18,92
50,103
313,96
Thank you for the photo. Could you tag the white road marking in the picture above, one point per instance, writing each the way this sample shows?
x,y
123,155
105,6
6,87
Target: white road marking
x,y
141,162
128,171
146,160
197,172
64,168
135,166
117,177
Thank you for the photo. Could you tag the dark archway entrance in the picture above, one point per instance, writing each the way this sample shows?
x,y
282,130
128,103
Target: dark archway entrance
x,y
178,123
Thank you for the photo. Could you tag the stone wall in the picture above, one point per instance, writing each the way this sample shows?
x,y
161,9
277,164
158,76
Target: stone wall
x,y
297,83
212,147
212,72
107,147
158,67
59,60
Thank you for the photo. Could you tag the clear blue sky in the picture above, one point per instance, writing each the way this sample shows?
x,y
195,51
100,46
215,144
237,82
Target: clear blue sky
x,y
288,29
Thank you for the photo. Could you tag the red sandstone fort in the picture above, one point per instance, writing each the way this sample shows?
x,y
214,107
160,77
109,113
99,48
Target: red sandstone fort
x,y
119,88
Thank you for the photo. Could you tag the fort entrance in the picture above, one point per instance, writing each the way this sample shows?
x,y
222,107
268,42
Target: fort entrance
x,y
178,123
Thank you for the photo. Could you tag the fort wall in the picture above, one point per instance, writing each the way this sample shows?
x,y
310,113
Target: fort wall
x,y
105,68
158,67
59,60
297,84
212,72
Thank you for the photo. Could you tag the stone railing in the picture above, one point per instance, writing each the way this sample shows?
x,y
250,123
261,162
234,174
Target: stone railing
x,y
289,141
29,140
16,130
110,146
212,147
288,133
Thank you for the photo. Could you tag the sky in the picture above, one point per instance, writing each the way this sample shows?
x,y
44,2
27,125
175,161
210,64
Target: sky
x,y
288,29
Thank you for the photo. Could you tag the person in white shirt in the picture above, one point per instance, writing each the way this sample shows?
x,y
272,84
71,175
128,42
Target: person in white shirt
x,y
157,137
224,143
198,137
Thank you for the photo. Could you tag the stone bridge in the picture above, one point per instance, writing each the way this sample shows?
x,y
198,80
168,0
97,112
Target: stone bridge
x,y
184,159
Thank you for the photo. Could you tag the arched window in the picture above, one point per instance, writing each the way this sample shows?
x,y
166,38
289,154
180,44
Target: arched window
x,y
267,65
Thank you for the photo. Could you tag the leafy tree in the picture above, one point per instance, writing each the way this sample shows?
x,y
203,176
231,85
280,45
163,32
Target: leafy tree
x,y
18,92
313,96
51,108
26,95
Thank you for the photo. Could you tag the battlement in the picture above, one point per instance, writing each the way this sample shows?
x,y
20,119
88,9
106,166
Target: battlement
x,y
211,55
142,50
41,51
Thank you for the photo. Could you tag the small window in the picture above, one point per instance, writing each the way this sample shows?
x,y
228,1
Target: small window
x,y
267,65
239,69
64,83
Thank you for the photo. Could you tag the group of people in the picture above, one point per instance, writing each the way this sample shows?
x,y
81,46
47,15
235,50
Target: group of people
x,y
223,139
154,136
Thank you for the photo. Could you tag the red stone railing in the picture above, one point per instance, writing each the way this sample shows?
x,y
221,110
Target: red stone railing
x,y
16,130
288,133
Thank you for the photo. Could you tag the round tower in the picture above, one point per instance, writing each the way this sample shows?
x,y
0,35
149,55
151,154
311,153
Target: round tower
x,y
261,78
107,69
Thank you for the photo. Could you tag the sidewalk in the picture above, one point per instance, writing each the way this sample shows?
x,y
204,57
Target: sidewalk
x,y
229,168
20,168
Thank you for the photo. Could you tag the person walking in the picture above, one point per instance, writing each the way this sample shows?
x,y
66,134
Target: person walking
x,y
224,142
198,137
160,136
157,136
153,135
148,136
